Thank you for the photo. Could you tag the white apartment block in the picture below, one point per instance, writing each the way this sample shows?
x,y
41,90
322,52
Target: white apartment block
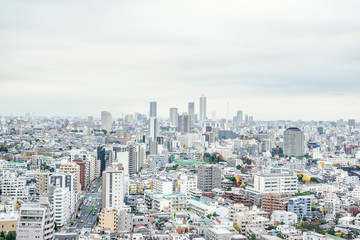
x,y
14,186
187,184
275,183
162,186
113,188
61,203
36,221
288,218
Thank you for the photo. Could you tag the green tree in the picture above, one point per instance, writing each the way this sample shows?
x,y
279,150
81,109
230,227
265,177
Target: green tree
x,y
253,236
237,228
279,235
2,234
331,231
228,189
11,235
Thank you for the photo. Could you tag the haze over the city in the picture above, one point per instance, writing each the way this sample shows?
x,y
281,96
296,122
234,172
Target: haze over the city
x,y
271,59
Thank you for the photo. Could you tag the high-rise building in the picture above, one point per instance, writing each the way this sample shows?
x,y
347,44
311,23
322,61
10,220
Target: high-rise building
x,y
106,121
191,112
154,128
36,221
239,117
113,188
153,109
82,167
61,203
105,156
42,182
275,182
209,177
122,156
184,123
137,156
202,112
174,117
66,180
246,118
153,147
72,167
352,123
294,142
108,220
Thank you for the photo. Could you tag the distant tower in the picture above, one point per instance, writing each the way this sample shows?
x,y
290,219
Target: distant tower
x,y
191,112
202,113
239,117
153,109
294,142
106,121
154,128
246,118
184,123
174,117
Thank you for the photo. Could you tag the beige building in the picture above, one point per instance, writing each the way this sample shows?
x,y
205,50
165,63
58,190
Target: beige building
x,y
71,167
42,182
108,220
8,221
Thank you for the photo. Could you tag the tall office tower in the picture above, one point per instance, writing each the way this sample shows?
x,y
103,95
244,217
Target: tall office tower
x,y
174,117
153,147
66,180
184,123
105,156
153,109
251,119
294,142
209,177
72,167
113,188
351,123
154,128
202,113
136,157
36,221
106,121
191,112
246,118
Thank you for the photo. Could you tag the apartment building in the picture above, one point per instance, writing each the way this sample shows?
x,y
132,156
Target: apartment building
x,y
209,177
274,202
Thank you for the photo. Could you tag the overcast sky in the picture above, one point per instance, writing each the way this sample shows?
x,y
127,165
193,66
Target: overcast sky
x,y
272,59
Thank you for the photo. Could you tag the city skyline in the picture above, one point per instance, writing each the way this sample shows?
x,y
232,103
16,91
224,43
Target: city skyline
x,y
81,65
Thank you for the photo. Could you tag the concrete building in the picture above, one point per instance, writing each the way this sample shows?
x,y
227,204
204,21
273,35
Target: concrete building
x,y
294,140
108,220
61,203
184,123
239,117
82,168
106,121
153,109
137,156
275,183
72,167
8,221
42,182
153,128
162,186
284,217
300,205
202,112
66,180
174,117
36,221
14,186
209,177
113,188
274,202
191,112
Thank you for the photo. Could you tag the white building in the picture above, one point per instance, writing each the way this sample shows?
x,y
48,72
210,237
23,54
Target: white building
x,y
14,186
113,188
36,221
66,180
187,184
288,218
276,183
162,186
61,203
106,121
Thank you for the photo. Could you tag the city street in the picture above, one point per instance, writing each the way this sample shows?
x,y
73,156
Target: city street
x,y
91,200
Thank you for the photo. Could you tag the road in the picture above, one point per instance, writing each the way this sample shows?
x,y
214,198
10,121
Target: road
x,y
92,199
